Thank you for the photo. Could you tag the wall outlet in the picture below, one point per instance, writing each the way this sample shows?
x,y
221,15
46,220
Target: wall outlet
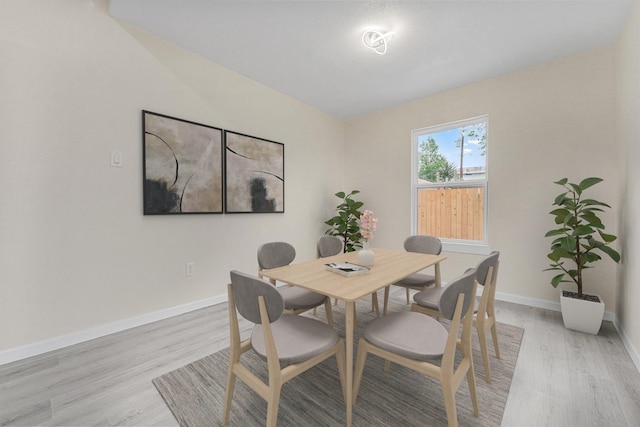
x,y
116,159
191,269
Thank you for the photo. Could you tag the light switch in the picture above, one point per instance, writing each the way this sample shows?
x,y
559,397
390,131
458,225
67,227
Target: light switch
x,y
116,159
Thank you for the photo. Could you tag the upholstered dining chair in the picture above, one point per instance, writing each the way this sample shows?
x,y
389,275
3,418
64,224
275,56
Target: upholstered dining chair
x,y
328,246
296,300
485,314
332,245
427,302
418,281
419,342
290,344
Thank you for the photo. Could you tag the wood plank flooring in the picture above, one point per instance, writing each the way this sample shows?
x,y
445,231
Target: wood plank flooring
x,y
562,378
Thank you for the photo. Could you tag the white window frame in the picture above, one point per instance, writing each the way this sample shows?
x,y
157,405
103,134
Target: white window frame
x,y
452,245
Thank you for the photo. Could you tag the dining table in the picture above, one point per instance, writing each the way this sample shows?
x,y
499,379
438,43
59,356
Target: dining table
x,y
389,267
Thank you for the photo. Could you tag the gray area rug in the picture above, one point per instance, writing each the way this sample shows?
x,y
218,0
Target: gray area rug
x,y
400,397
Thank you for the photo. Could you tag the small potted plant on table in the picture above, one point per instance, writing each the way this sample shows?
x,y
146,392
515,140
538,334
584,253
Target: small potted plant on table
x,y
578,241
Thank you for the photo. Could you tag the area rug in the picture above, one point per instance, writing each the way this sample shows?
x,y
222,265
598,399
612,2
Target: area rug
x,y
400,397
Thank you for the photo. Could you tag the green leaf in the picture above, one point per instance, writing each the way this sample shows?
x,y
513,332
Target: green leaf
x,y
568,243
592,202
553,256
613,254
582,230
341,194
576,188
555,232
561,199
557,280
607,237
588,182
563,181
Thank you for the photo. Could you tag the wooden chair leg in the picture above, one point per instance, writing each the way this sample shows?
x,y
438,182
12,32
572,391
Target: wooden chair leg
x,y
272,404
494,335
471,379
482,337
359,368
374,304
342,369
328,311
231,382
449,395
408,301
386,300
234,358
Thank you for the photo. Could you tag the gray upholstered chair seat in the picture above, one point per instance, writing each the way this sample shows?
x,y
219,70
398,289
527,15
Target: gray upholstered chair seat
x,y
422,337
297,338
417,279
296,298
429,298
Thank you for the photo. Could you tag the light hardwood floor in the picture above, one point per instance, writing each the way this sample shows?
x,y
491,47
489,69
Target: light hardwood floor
x,y
562,378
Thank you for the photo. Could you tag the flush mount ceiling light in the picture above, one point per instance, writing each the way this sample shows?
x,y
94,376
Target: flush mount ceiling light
x,y
377,40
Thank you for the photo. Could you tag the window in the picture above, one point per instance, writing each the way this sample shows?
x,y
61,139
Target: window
x,y
449,184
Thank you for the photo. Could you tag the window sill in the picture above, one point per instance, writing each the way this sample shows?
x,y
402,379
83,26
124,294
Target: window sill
x,y
478,248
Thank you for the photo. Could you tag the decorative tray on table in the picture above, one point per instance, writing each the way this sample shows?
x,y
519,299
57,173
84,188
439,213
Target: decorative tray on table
x,y
347,268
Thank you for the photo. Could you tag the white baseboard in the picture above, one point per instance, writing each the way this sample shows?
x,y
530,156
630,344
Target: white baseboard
x,y
42,347
56,343
555,306
633,353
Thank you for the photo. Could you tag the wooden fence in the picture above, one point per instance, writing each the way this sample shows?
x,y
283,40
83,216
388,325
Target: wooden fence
x,y
455,213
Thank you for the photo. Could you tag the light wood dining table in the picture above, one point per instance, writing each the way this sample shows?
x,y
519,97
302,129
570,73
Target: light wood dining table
x,y
390,266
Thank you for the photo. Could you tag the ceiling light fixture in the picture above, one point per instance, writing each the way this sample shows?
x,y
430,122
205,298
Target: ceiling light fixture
x,y
377,40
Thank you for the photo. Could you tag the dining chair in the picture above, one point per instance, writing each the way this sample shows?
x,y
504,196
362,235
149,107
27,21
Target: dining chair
x,y
484,319
423,344
485,314
296,299
418,281
328,246
332,245
289,344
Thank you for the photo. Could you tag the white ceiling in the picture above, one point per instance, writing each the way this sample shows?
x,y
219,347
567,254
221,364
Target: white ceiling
x,y
312,50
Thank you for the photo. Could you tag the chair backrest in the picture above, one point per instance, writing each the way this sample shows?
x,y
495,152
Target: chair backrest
x,y
482,269
275,254
463,284
423,244
246,290
329,246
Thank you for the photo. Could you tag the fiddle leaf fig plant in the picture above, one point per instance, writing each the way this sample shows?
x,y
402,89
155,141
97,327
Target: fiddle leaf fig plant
x,y
345,223
579,238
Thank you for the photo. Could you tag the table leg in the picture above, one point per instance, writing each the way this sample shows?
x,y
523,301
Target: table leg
x,y
438,276
350,309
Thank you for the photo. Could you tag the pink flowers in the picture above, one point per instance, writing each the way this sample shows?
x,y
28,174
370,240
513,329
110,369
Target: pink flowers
x,y
368,225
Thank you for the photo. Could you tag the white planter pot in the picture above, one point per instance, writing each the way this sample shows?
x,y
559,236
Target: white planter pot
x,y
582,315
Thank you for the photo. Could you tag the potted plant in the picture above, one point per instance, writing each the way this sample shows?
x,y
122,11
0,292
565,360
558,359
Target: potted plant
x,y
345,223
578,241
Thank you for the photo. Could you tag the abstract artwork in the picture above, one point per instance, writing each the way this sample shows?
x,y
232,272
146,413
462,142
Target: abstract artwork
x,y
182,166
254,174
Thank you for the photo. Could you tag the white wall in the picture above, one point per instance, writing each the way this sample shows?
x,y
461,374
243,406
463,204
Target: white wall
x,y
545,123
628,107
75,250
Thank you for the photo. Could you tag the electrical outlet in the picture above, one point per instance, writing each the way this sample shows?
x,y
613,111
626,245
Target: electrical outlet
x,y
116,159
191,269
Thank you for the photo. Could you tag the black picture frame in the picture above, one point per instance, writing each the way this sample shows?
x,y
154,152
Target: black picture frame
x,y
254,174
182,166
